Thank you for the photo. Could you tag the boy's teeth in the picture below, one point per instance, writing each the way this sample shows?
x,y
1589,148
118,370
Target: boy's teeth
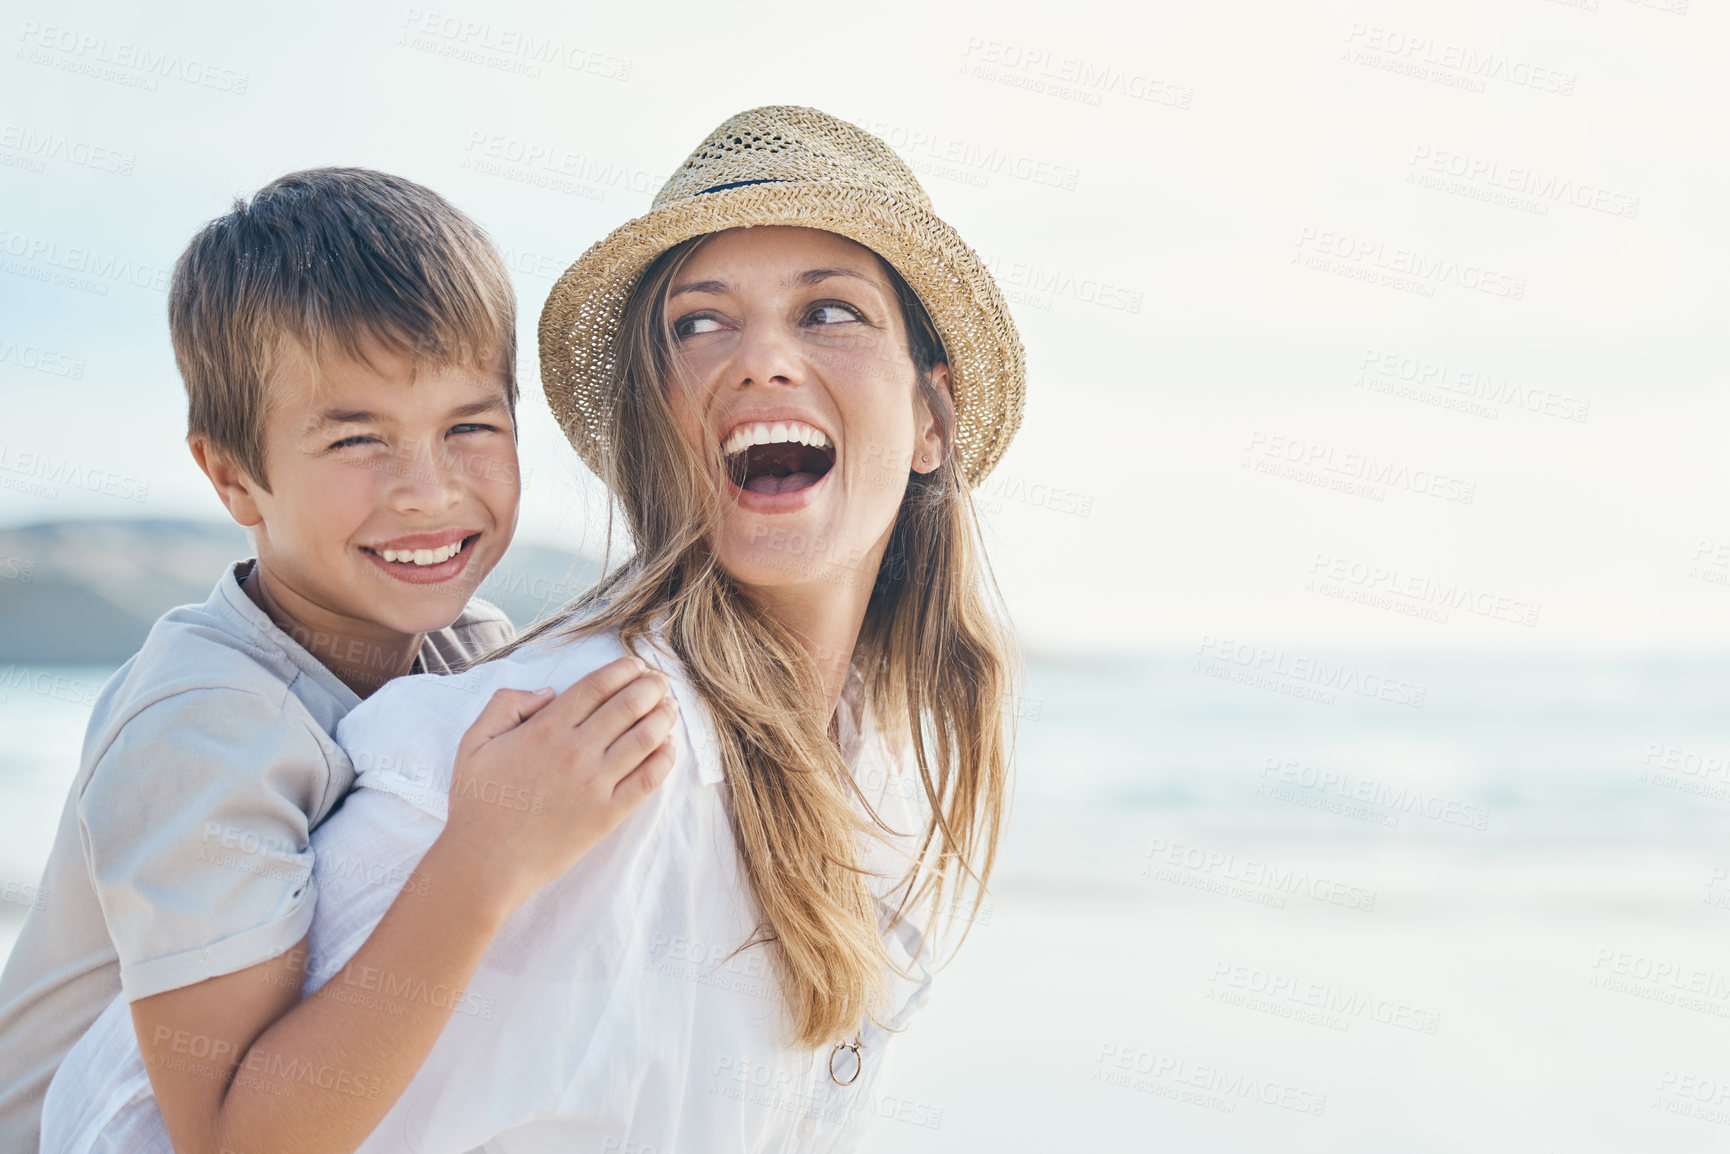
x,y
422,556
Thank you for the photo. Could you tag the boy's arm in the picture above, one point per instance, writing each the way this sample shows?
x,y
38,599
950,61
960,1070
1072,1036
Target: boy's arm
x,y
238,1065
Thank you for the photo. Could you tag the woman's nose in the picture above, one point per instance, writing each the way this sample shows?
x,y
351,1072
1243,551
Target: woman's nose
x,y
768,354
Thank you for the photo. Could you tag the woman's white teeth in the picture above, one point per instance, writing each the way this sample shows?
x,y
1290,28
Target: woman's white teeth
x,y
779,432
423,556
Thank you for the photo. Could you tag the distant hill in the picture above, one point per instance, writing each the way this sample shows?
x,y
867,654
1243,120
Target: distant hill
x,y
87,592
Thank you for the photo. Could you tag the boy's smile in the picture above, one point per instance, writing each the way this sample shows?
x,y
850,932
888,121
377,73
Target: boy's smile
x,y
393,493
425,558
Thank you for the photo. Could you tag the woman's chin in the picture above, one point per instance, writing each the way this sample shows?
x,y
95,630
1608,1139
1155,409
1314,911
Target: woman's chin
x,y
784,559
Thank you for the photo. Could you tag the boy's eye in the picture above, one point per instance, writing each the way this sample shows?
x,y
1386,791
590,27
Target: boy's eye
x,y
696,324
357,439
833,313
474,428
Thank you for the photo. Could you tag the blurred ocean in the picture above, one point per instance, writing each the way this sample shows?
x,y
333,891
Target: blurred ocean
x,y
1368,904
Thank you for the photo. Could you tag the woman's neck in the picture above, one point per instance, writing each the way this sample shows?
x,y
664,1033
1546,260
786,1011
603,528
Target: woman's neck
x,y
826,621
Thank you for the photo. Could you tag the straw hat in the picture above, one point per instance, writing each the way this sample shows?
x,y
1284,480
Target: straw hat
x,y
785,165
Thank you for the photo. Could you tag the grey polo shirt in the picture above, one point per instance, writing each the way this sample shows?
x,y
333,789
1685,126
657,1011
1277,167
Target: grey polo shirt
x,y
183,850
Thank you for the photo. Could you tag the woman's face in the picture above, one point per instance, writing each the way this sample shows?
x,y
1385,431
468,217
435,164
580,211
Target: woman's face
x,y
791,364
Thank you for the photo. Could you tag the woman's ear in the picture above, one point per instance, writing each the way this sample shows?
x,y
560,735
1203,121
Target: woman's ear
x,y
231,482
928,445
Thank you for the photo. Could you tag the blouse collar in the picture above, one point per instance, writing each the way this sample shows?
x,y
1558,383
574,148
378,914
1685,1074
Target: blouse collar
x,y
851,715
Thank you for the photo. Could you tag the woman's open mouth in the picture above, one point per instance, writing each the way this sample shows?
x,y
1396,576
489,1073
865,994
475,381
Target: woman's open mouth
x,y
777,457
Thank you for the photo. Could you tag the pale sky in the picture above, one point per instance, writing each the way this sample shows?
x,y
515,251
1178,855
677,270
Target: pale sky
x,y
1349,325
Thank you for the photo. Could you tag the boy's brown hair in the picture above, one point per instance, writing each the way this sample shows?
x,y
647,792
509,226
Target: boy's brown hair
x,y
328,259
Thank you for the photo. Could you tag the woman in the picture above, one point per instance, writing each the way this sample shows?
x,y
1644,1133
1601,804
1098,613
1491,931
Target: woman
x,y
789,373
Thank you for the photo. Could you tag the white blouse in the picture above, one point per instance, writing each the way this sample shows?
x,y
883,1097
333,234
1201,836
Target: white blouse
x,y
606,1014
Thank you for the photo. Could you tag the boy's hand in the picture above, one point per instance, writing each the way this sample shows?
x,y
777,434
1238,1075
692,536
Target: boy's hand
x,y
540,780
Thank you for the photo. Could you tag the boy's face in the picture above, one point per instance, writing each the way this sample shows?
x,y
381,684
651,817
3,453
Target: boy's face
x,y
393,492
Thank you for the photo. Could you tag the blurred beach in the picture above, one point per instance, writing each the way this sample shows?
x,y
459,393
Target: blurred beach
x,y
1248,904
1384,336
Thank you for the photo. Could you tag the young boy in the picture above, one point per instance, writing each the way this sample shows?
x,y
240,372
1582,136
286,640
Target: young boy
x,y
347,342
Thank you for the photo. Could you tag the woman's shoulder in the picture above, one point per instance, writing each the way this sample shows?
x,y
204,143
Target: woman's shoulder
x,y
551,659
411,728
433,709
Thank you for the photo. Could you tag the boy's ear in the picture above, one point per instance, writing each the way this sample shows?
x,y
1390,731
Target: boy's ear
x,y
231,482
928,447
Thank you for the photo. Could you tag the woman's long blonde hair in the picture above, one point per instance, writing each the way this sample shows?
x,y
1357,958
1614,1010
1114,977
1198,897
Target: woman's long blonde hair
x,y
935,654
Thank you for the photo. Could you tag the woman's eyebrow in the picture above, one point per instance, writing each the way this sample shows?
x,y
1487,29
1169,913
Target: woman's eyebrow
x,y
814,276
806,279
712,287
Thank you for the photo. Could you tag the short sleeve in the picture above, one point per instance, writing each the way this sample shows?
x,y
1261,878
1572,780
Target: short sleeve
x,y
196,831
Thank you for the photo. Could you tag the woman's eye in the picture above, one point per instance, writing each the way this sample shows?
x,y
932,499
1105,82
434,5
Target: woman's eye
x,y
695,325
833,313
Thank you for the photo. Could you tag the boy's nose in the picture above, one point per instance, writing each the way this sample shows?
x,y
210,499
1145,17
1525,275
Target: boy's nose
x,y
429,480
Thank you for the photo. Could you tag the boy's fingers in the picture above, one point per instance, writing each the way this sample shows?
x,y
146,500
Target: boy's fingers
x,y
643,738
643,780
624,709
508,709
578,703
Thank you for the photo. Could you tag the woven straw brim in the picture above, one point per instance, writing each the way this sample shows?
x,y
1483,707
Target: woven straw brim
x,y
987,367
